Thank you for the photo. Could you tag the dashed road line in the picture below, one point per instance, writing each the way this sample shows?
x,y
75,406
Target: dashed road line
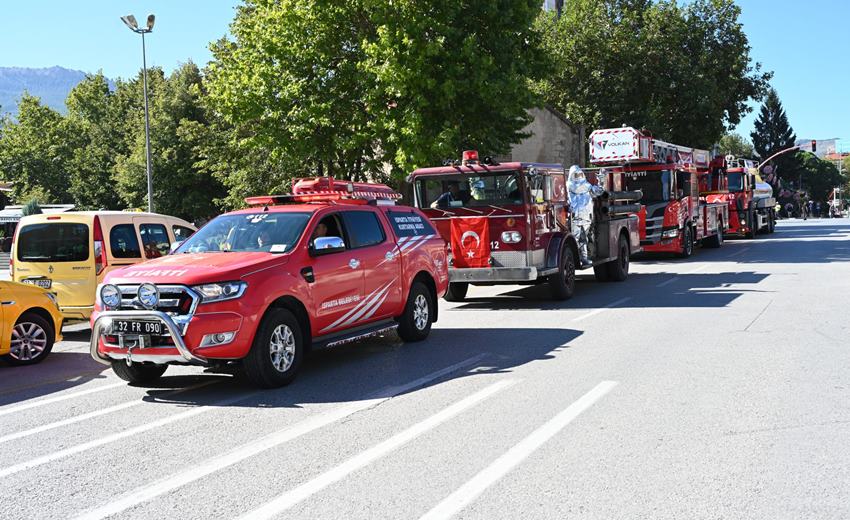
x,y
667,282
500,467
272,440
96,413
41,402
603,309
297,495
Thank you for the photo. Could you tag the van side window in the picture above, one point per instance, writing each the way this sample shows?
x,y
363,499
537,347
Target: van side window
x,y
154,239
181,233
123,242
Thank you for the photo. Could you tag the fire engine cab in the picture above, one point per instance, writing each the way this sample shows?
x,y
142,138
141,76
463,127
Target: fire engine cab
x,y
675,181
509,223
750,199
331,263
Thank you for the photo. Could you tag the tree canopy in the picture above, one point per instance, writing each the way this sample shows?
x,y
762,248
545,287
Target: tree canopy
x,y
772,133
734,144
683,72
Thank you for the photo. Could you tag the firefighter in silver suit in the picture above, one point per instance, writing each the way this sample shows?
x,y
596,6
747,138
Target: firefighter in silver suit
x,y
581,194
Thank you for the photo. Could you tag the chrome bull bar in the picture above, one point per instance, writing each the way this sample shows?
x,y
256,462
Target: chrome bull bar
x,y
174,332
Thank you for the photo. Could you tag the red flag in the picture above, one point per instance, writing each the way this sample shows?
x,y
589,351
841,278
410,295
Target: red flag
x,y
471,242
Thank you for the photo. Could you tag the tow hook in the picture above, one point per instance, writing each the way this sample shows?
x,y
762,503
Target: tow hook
x,y
129,359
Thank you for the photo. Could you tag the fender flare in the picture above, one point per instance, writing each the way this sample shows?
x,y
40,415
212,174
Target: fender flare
x,y
556,248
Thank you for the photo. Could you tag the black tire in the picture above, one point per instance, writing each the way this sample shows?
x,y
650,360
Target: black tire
x,y
771,222
687,243
138,373
457,292
415,323
751,225
717,240
618,270
562,284
32,340
601,272
278,348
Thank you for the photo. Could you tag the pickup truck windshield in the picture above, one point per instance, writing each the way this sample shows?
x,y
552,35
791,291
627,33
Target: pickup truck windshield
x,y
456,191
265,232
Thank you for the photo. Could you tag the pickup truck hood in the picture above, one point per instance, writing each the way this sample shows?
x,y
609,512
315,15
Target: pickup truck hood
x,y
196,268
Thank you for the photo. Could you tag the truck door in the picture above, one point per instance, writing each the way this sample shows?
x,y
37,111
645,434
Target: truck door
x,y
376,252
337,285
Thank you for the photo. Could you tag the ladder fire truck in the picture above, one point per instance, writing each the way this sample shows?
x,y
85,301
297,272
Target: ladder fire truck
x,y
750,199
509,223
674,180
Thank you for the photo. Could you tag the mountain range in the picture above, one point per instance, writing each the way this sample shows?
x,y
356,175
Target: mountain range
x,y
51,84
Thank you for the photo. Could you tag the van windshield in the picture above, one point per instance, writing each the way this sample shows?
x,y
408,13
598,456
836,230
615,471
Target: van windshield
x,y
267,232
53,242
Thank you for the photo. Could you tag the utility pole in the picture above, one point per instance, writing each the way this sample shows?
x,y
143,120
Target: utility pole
x,y
130,21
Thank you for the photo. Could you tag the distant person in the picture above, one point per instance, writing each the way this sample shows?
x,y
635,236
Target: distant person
x,y
320,231
817,210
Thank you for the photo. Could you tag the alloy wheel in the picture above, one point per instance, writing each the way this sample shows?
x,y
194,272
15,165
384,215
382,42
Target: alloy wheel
x,y
28,341
420,312
282,348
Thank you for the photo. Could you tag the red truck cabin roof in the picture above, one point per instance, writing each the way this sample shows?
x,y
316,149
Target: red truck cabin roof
x,y
473,169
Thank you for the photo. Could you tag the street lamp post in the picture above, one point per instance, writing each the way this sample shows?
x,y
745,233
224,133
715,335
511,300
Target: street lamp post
x,y
130,21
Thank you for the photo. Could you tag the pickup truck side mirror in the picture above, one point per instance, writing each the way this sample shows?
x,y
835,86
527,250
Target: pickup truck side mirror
x,y
327,245
175,245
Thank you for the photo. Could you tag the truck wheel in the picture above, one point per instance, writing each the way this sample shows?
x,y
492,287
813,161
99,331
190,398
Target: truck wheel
x,y
457,292
771,222
717,240
751,225
32,340
601,272
415,323
138,373
275,356
618,270
687,243
563,283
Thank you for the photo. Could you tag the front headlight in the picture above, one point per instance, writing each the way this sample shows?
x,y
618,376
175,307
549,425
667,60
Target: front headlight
x,y
511,237
216,292
670,233
110,296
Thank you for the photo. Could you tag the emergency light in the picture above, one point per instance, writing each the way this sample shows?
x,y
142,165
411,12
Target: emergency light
x,y
470,157
326,189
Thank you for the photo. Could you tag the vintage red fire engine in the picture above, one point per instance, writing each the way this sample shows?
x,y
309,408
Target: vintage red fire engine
x,y
675,181
509,223
331,263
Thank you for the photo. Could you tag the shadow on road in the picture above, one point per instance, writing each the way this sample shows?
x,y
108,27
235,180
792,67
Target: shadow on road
x,y
59,371
357,371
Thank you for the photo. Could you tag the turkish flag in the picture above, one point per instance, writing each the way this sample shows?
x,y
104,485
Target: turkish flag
x,y
470,242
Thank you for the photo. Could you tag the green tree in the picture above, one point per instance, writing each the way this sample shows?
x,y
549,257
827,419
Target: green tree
x,y
350,88
684,72
34,152
772,134
182,187
734,144
819,176
31,208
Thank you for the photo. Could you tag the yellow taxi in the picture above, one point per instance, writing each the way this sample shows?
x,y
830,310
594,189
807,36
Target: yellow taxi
x,y
31,323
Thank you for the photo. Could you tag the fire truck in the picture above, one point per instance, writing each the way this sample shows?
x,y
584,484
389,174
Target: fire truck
x,y
675,182
509,223
332,263
750,199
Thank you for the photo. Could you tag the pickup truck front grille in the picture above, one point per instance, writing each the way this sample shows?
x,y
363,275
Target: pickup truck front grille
x,y
176,300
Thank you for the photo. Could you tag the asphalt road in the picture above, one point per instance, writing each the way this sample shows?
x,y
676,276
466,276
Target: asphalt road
x,y
711,388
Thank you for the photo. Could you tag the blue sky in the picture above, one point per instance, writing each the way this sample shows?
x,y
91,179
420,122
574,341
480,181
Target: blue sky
x,y
802,42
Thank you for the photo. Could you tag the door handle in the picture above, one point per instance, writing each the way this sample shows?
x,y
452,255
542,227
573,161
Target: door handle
x,y
354,263
308,274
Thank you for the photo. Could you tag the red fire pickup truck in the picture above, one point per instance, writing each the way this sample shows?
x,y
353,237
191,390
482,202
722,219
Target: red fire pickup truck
x,y
329,264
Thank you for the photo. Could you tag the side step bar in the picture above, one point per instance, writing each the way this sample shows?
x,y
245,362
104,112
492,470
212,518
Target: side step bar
x,y
335,340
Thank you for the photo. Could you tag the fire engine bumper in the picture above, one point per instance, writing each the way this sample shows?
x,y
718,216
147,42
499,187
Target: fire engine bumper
x,y
494,274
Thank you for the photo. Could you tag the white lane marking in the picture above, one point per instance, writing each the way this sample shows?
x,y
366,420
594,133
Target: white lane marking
x,y
73,450
96,413
740,251
295,496
603,309
272,440
63,397
500,467
667,282
696,270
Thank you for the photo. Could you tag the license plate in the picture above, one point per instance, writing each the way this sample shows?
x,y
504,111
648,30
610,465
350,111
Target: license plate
x,y
137,327
44,283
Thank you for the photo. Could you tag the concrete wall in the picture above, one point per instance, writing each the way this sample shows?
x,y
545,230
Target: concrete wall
x,y
553,139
